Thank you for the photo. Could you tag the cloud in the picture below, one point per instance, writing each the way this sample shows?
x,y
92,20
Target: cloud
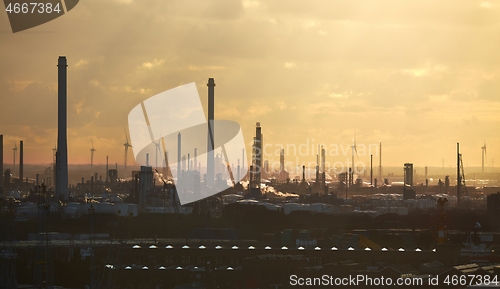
x,y
152,64
204,68
81,63
490,89
79,106
345,94
258,110
20,85
290,65
485,4
463,95
249,4
427,70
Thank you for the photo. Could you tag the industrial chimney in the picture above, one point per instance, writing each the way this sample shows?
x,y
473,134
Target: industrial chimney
x,y
211,135
179,147
21,162
62,141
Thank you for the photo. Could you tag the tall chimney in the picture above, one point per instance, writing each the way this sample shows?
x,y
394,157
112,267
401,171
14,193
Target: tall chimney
x,y
371,170
62,140
107,170
258,155
179,156
21,162
459,177
243,160
211,135
380,163
1,165
195,159
426,180
282,160
323,168
303,173
238,177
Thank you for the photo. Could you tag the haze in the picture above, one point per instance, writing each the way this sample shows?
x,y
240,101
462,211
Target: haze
x,y
417,75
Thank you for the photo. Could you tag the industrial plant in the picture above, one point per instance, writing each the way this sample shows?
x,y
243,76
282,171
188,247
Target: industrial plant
x,y
233,221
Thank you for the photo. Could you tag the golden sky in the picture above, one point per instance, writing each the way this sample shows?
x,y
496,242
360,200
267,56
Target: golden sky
x,y
417,75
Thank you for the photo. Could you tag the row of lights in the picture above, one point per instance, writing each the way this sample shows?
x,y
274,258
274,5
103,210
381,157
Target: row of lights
x,y
269,248
160,268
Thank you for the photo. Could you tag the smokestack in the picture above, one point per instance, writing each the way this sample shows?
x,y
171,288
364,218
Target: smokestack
x,y
380,163
459,177
211,134
21,161
371,170
147,159
179,157
1,165
258,155
426,180
107,170
238,170
303,173
323,175
189,162
62,141
282,160
37,180
243,159
322,159
195,159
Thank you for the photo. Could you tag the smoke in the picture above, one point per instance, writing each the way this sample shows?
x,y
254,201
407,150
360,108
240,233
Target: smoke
x,y
273,193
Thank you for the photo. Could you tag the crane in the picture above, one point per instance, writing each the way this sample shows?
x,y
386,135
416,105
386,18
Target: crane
x,y
172,199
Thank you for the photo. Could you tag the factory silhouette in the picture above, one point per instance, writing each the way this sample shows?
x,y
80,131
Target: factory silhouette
x,y
199,213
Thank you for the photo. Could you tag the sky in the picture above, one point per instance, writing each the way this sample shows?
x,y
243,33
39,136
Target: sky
x,y
418,76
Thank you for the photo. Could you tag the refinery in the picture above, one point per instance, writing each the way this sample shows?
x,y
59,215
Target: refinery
x,y
211,217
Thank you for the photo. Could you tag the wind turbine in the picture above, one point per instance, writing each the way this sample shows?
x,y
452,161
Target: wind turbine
x,y
127,145
92,150
157,145
483,148
354,149
15,153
